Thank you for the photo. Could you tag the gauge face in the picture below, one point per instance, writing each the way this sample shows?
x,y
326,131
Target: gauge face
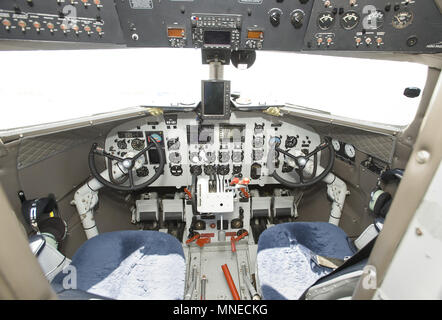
x,y
258,141
210,157
173,144
137,144
174,157
258,155
336,145
375,20
350,20
142,172
237,156
402,19
121,144
157,137
194,157
350,151
325,20
224,157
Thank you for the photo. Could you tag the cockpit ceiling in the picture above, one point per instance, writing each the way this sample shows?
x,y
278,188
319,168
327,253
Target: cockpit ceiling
x,y
306,25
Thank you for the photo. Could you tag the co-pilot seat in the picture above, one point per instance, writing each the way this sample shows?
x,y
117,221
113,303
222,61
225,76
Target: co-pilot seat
x,y
125,265
288,253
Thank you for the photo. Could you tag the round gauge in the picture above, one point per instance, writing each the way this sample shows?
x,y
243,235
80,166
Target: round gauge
x,y
208,170
350,20
336,145
258,154
210,157
258,141
194,157
402,19
137,144
224,157
237,156
157,137
142,172
291,142
325,20
350,151
375,20
174,157
121,144
173,144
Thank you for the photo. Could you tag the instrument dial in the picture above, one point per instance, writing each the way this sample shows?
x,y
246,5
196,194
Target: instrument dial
x,y
258,155
258,142
210,157
237,156
173,144
194,157
350,20
121,144
350,151
291,142
175,157
137,144
142,172
336,145
375,20
224,157
402,19
326,20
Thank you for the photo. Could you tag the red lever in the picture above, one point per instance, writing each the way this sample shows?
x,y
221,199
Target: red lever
x,y
192,239
189,194
230,282
245,193
233,240
202,241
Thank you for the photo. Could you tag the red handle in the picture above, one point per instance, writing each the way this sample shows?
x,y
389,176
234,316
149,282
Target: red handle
x,y
230,282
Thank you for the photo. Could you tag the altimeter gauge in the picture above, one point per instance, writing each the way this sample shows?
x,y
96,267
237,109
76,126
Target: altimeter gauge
x,y
350,20
325,20
336,145
402,19
374,20
350,151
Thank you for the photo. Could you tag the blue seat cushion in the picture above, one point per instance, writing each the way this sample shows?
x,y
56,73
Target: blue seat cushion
x,y
128,265
286,263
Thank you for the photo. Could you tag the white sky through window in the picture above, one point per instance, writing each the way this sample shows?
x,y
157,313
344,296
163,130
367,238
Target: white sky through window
x,y
46,86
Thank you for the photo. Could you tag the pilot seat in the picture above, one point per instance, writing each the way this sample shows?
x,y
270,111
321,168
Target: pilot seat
x,y
125,265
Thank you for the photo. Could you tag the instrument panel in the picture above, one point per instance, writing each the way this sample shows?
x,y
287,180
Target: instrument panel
x,y
375,25
296,25
94,21
235,147
234,24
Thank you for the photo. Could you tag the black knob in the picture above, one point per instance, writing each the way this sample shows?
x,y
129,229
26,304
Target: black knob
x,y
196,170
297,18
275,18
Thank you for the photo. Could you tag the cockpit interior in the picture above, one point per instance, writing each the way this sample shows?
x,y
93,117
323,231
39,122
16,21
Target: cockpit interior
x,y
227,197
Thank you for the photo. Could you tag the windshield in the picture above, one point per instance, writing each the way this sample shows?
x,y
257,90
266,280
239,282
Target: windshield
x,y
39,87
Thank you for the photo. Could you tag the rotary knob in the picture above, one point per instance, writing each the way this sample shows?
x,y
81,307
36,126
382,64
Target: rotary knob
x,y
275,18
297,18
